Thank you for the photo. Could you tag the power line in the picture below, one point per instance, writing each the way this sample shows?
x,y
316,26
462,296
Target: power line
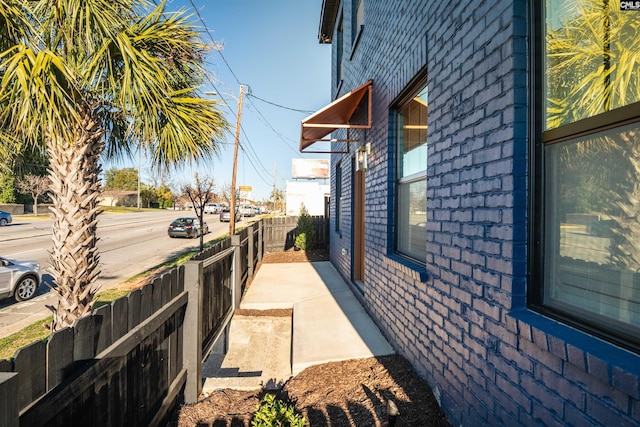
x,y
237,81
282,137
249,151
282,106
214,42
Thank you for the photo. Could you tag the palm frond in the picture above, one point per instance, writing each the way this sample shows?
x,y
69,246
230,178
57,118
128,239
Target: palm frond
x,y
37,93
15,25
188,131
594,61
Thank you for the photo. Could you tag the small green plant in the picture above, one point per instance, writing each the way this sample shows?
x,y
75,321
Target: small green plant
x,y
273,412
306,233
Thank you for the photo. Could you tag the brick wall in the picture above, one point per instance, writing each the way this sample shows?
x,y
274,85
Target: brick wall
x,y
464,324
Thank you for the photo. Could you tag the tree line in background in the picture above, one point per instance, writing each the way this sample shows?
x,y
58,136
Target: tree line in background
x,y
120,188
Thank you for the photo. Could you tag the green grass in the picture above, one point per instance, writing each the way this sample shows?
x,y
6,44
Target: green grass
x,y
126,209
106,209
37,331
34,332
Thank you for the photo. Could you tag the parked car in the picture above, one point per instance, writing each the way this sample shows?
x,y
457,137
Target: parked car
x,y
213,208
187,227
225,215
19,279
5,218
247,210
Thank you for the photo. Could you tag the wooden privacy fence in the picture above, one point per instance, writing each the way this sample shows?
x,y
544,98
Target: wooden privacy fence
x,y
122,365
133,361
280,233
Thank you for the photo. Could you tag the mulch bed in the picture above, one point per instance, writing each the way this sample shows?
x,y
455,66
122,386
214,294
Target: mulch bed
x,y
292,255
349,393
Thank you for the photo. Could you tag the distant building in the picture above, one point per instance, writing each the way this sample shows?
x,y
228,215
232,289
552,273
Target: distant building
x,y
118,198
312,194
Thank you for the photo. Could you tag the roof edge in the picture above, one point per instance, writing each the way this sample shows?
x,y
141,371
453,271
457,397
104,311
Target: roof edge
x,y
328,16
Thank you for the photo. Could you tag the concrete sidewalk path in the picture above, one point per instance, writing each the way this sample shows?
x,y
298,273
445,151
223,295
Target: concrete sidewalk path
x,y
328,324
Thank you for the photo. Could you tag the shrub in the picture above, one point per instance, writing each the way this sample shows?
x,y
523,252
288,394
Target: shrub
x,y
306,233
274,412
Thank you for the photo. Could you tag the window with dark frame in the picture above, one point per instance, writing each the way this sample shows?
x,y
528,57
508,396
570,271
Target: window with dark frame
x,y
338,213
357,20
339,51
586,210
411,179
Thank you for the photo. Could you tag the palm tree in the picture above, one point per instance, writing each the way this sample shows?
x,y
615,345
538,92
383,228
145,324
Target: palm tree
x,y
277,197
594,61
594,67
93,78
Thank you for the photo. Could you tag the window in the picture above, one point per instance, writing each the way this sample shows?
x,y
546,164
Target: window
x,y
587,228
357,19
338,196
339,52
411,187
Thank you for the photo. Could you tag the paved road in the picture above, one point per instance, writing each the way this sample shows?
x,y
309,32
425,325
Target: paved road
x,y
129,244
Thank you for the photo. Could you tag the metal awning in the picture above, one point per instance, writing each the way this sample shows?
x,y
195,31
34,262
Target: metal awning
x,y
334,116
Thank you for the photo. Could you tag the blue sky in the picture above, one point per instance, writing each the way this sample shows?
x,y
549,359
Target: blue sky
x,y
272,47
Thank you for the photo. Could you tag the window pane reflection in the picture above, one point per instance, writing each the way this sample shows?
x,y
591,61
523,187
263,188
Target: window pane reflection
x,y
592,231
412,219
591,66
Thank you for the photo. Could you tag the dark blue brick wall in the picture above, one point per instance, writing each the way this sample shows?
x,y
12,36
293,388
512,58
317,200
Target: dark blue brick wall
x,y
460,315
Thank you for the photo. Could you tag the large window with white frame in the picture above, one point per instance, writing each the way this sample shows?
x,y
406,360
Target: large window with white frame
x,y
411,182
586,209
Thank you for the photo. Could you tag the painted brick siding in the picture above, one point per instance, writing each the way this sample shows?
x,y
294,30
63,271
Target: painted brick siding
x,y
465,327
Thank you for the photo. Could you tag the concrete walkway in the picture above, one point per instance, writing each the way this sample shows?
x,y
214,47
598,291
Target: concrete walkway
x,y
328,324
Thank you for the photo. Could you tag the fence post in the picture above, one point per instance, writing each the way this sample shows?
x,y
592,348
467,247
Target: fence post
x,y
251,253
260,243
267,230
192,344
9,399
236,290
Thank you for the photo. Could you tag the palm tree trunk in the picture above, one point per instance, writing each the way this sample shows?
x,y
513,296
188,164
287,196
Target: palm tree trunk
x,y
625,252
75,187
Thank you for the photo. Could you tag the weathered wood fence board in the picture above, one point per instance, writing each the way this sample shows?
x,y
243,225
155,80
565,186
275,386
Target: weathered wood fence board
x,y
217,297
280,233
130,362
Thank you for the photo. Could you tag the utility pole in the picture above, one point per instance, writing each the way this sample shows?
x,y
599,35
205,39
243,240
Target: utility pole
x,y
275,196
232,208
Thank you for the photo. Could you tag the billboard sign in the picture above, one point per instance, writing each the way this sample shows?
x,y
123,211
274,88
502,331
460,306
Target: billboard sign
x,y
310,168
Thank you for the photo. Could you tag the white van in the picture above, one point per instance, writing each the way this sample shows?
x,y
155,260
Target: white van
x,y
213,208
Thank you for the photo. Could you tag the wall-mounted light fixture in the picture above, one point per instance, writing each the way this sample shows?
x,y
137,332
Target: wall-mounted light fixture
x,y
362,157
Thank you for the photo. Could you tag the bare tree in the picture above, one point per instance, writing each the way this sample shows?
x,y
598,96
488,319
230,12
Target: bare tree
x,y
36,186
225,194
200,194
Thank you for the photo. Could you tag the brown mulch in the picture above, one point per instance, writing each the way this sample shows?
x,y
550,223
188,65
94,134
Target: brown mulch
x,y
348,393
296,256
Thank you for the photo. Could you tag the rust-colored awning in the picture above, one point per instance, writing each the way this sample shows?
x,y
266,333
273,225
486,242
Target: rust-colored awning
x,y
334,116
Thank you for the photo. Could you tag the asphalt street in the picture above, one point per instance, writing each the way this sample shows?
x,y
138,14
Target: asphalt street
x,y
129,243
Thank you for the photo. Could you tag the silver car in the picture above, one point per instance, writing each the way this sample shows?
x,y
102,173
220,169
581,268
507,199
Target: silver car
x,y
19,279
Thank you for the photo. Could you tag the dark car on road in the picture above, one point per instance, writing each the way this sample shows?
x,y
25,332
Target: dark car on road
x,y
5,218
225,215
19,279
187,227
